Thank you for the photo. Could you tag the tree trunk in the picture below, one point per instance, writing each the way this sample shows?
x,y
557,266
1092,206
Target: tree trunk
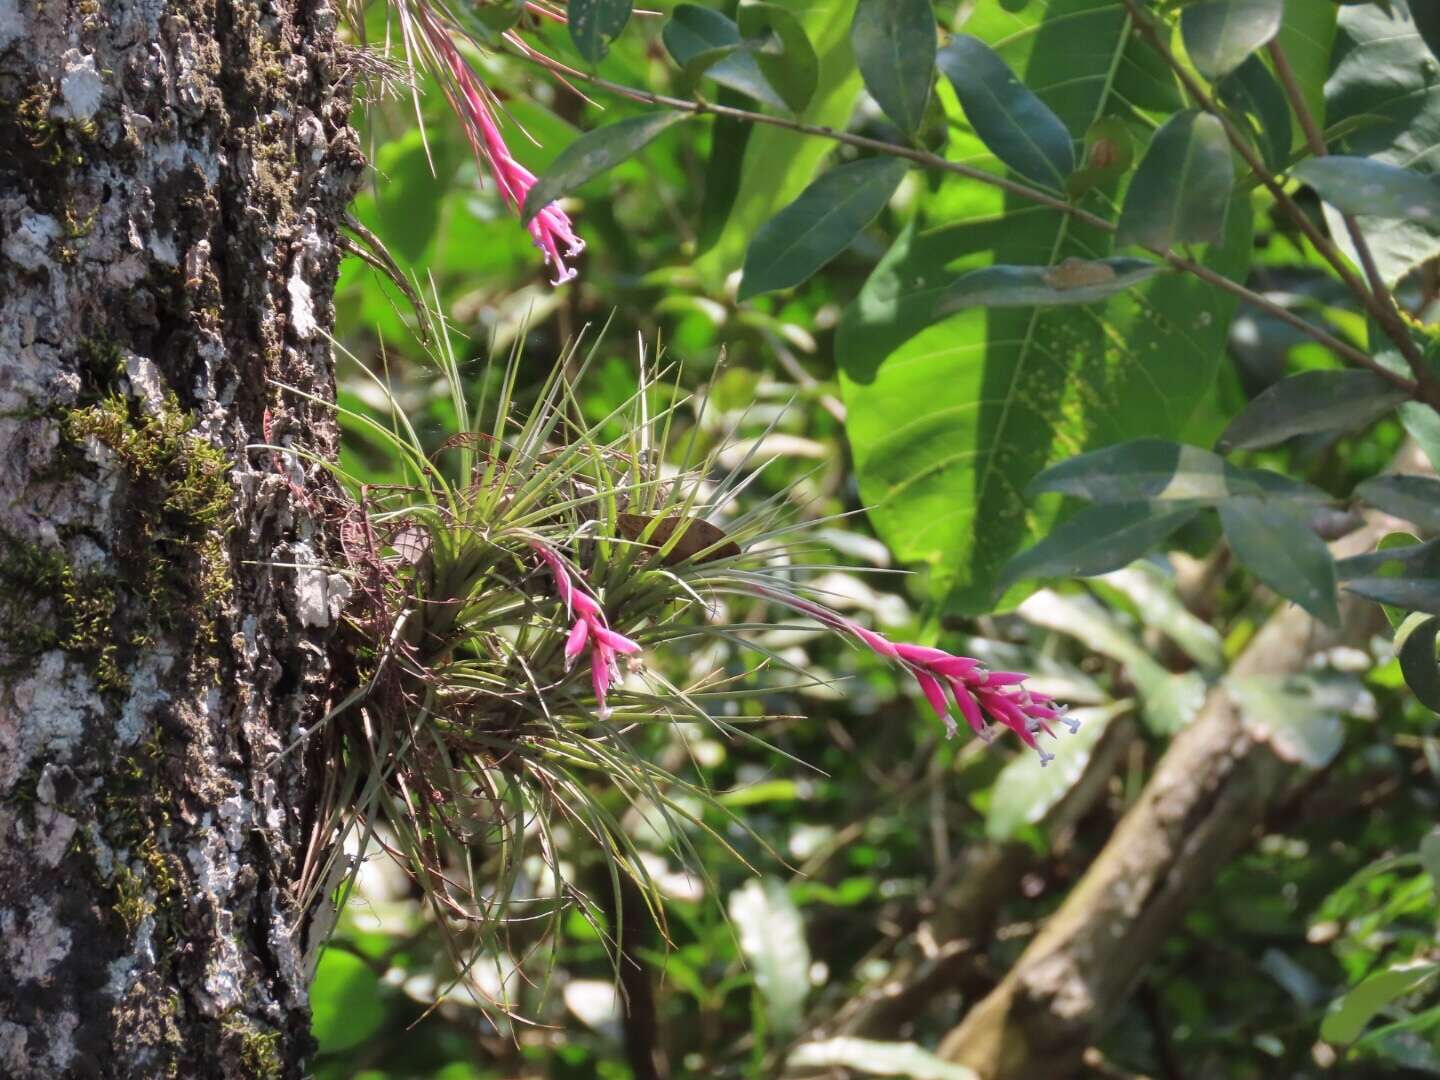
x,y
172,174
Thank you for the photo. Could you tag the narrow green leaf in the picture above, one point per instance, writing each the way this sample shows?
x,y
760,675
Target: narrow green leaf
x,y
1283,552
1166,471
1097,540
1414,498
820,224
1251,91
1074,281
1310,402
596,23
788,60
1025,792
1219,35
1407,593
1405,554
895,46
1008,117
772,937
1181,190
1422,423
1415,647
1349,1015
593,153
1355,185
706,43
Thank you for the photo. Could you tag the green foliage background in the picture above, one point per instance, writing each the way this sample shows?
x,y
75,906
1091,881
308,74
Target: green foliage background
x,y
934,425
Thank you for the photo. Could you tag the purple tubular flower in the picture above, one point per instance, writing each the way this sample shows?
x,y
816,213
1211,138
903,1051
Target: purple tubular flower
x,y
589,628
551,228
977,693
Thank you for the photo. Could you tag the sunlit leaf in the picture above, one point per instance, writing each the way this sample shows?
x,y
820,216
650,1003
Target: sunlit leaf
x,y
345,1001
1348,1017
1220,34
1286,714
1012,121
895,46
1385,92
1356,185
819,225
873,1058
772,937
1025,791
1312,401
1074,281
594,153
1283,552
789,64
1250,90
595,23
949,418
1181,190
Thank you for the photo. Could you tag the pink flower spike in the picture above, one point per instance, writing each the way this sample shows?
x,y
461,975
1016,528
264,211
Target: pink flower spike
x,y
876,642
618,642
956,667
1008,714
965,702
575,643
1005,678
600,681
936,696
586,607
921,654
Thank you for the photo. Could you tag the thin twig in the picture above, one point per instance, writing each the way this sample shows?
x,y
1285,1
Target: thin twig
x,y
1013,187
1389,320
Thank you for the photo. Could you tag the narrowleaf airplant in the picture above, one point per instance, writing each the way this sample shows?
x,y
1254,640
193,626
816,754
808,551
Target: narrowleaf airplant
x,y
513,602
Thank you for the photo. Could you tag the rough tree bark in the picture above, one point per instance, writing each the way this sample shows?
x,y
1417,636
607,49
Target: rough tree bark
x,y
172,173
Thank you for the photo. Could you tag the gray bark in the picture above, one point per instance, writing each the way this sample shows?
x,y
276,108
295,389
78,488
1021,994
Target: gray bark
x,y
171,178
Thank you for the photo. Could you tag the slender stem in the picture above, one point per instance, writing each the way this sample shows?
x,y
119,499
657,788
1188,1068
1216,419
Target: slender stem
x,y
1013,187
1389,318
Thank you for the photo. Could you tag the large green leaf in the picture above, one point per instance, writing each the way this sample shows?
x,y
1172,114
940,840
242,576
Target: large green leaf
x,y
949,419
1291,716
1387,86
1019,128
820,224
1220,34
1182,187
894,43
1415,647
778,163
